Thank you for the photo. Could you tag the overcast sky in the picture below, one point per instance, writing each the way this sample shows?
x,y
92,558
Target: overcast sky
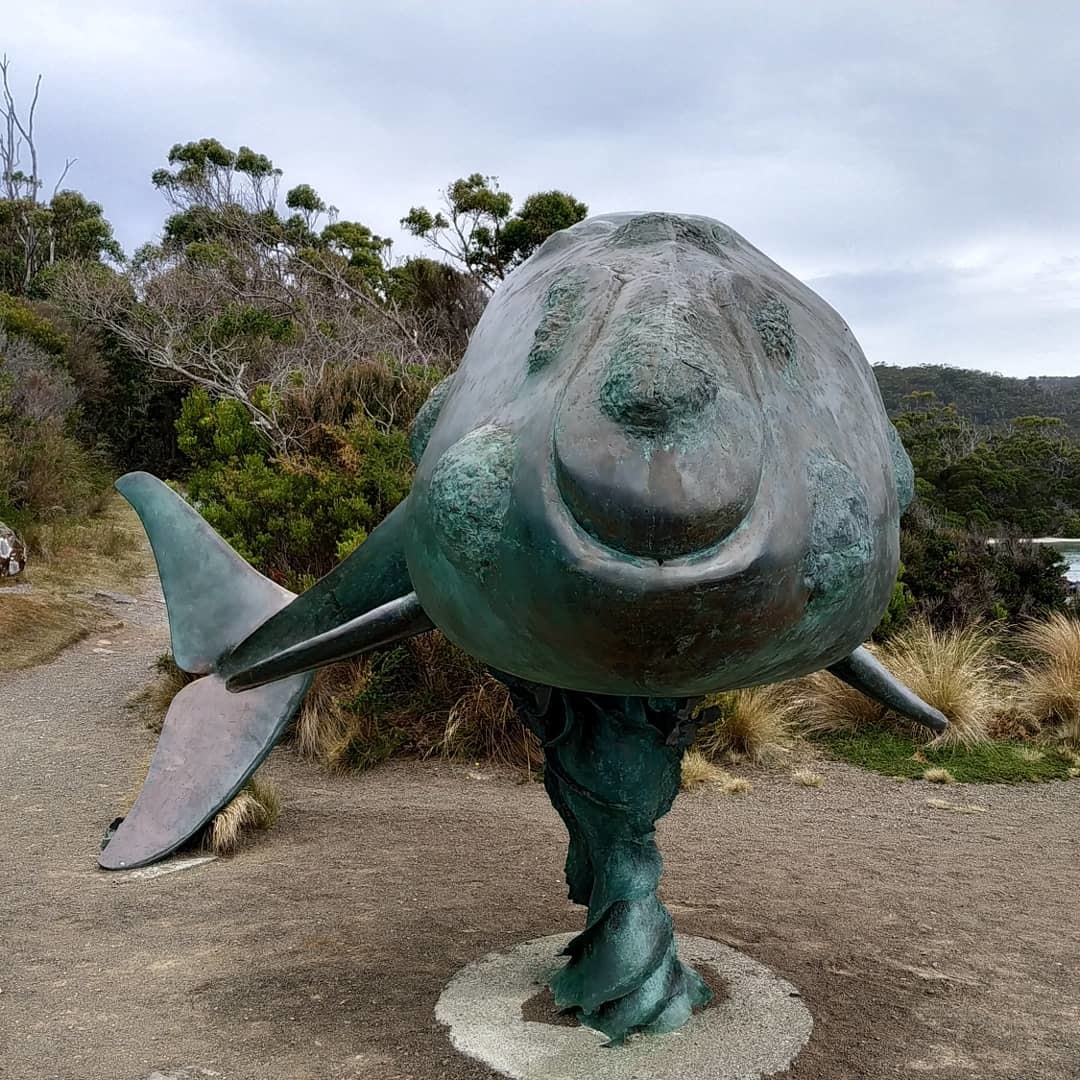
x,y
918,164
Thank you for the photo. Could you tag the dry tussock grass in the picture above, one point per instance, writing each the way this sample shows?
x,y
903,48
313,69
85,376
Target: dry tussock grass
x,y
751,724
1049,692
424,697
698,772
807,778
255,807
153,700
955,671
937,775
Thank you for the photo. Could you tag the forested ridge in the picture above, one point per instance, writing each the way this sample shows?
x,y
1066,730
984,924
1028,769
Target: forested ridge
x,y
984,398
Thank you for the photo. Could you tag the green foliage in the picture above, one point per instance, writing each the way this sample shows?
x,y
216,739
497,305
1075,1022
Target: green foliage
x,y
292,517
889,752
45,474
35,236
901,607
18,317
956,577
478,232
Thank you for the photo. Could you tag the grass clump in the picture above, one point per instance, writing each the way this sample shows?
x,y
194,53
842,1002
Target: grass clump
x,y
955,671
938,775
807,778
751,725
153,700
254,808
1049,692
699,772
422,697
896,753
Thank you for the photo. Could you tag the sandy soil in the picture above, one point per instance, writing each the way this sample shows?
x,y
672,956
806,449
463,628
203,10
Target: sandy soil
x,y
926,943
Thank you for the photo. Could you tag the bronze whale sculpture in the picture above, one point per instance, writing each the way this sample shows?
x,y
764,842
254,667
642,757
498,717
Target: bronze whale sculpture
x,y
663,469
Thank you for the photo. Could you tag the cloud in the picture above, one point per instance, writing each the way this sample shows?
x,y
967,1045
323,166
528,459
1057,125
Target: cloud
x,y
915,163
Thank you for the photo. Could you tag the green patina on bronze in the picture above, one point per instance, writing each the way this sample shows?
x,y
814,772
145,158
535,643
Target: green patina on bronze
x,y
612,768
772,320
470,497
678,493
563,308
427,418
656,380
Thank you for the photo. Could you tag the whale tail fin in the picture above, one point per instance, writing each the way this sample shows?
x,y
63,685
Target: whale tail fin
x,y
214,598
212,740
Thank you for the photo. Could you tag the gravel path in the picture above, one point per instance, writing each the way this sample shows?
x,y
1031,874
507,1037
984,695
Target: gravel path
x,y
926,942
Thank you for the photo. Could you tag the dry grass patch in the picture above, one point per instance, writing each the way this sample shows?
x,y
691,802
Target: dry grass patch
x,y
955,671
67,561
938,775
423,697
807,778
698,772
751,724
36,628
153,700
1049,690
255,807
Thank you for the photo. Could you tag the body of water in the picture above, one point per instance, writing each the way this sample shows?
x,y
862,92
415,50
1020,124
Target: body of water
x,y
1071,550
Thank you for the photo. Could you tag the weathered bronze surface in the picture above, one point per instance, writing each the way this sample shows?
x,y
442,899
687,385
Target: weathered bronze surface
x,y
663,469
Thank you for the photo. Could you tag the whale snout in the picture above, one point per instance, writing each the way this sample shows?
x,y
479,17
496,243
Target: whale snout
x,y
658,459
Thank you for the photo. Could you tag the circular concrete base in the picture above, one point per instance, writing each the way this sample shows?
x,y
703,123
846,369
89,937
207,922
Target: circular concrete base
x,y
757,1030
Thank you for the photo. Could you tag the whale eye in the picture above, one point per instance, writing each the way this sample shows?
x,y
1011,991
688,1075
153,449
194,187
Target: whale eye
x,y
470,497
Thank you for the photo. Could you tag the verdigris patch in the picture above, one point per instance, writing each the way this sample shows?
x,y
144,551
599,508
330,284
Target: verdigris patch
x,y
656,378
424,422
772,321
903,471
563,307
470,496
841,537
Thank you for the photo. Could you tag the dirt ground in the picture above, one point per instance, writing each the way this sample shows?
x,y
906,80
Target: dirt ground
x,y
926,943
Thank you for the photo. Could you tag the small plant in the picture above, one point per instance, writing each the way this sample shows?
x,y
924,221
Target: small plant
x,y
955,671
421,698
154,699
938,775
807,778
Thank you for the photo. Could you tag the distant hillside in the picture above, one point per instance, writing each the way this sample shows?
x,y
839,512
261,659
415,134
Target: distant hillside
x,y
990,400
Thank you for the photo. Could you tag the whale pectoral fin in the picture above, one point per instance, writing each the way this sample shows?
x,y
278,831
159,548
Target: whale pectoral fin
x,y
211,742
863,671
373,575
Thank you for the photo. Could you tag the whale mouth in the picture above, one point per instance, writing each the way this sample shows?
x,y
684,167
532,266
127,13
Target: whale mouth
x,y
659,490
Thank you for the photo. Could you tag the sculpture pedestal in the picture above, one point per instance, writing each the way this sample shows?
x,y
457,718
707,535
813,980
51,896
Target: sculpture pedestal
x,y
756,1030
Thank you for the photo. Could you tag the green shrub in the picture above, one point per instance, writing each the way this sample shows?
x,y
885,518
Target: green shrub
x,y
292,517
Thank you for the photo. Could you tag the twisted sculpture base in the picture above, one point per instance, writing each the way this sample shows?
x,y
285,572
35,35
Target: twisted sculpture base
x,y
612,768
